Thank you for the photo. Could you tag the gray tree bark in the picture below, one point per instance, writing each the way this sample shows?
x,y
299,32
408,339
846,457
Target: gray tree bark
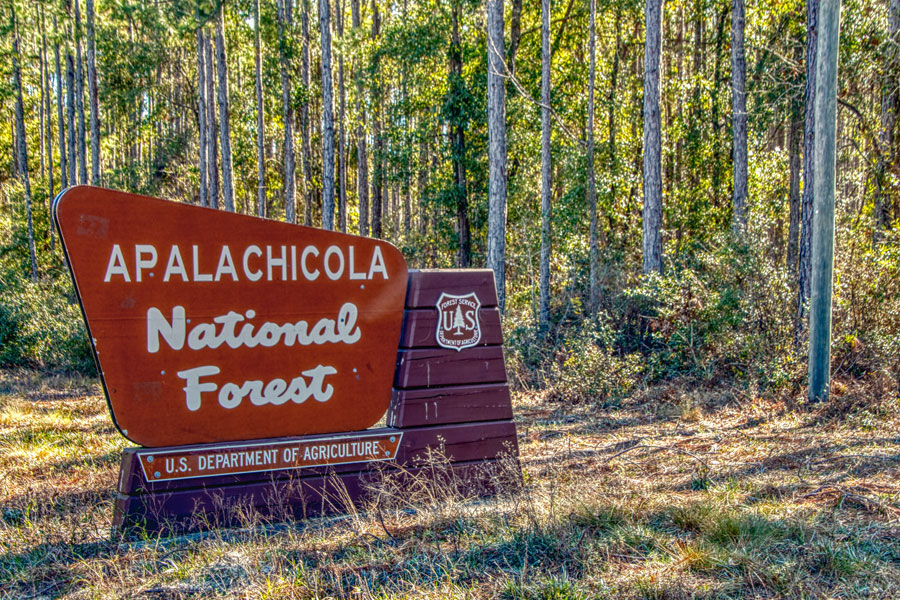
x,y
224,129
43,116
92,95
21,143
48,98
496,116
60,123
201,115
464,250
795,139
546,171
890,106
70,113
362,167
327,117
342,133
260,123
591,179
804,267
79,99
212,137
652,211
308,188
739,118
287,112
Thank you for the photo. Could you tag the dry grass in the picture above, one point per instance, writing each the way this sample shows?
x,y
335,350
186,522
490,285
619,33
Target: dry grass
x,y
676,494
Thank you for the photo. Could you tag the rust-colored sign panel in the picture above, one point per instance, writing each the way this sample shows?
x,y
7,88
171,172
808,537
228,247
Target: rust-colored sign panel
x,y
233,459
210,326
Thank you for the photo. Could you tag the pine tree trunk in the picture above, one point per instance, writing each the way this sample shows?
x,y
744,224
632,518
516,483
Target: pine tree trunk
x,y
327,117
804,269
464,251
48,131
422,183
60,123
652,211
593,250
496,116
260,125
795,139
362,167
70,114
79,98
515,35
92,95
21,143
342,133
212,130
287,112
224,111
377,176
43,116
890,107
201,115
308,191
739,118
546,171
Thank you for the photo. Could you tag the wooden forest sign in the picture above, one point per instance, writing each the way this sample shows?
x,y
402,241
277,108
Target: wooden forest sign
x,y
211,326
250,358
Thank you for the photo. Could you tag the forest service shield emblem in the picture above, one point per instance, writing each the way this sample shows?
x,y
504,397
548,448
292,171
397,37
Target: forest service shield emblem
x,y
458,325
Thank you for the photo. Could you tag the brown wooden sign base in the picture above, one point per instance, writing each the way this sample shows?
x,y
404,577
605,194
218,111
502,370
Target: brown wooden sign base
x,y
447,402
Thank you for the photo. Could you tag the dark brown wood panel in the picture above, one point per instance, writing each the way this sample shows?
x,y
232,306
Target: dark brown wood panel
x,y
280,500
442,367
420,328
459,443
459,404
427,285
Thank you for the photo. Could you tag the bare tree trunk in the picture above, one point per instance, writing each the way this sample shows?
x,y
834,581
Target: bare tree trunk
x,y
92,95
739,118
48,99
201,115
496,116
60,123
889,111
212,140
79,98
21,143
43,116
327,117
70,112
377,177
342,133
287,112
224,129
515,35
260,125
652,212
804,269
308,191
591,179
362,168
546,171
464,251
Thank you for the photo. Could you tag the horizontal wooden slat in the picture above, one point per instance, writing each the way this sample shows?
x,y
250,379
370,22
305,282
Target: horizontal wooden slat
x,y
459,404
442,367
426,286
200,509
420,328
459,443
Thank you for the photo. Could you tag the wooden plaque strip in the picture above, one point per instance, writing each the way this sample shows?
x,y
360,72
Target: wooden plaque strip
x,y
442,367
205,508
444,405
426,286
420,327
459,443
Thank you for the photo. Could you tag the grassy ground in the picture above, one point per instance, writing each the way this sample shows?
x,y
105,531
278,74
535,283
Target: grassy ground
x,y
677,493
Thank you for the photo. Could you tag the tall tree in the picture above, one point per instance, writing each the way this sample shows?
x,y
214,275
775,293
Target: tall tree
x,y
92,95
652,211
890,107
327,117
201,113
362,167
79,98
224,128
804,267
260,129
546,169
795,140
60,124
496,116
70,110
378,151
458,152
342,134
739,118
308,187
21,141
48,130
287,110
591,179
212,131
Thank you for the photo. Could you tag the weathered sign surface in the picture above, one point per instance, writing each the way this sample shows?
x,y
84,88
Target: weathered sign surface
x,y
211,326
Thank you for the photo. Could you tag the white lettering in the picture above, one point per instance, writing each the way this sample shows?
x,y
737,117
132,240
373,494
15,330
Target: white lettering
x,y
310,275
198,276
175,265
140,262
116,265
226,265
271,261
377,265
193,388
172,332
333,251
252,275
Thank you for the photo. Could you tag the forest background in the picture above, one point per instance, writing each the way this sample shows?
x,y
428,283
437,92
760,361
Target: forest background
x,y
373,118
